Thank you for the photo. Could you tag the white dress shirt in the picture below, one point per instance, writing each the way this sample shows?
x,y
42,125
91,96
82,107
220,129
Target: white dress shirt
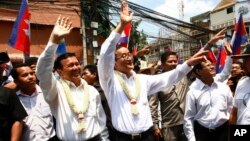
x,y
67,121
122,119
209,105
242,101
39,122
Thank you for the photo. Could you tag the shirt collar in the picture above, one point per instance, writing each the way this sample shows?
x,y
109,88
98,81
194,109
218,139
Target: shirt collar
x,y
38,91
71,84
199,85
125,76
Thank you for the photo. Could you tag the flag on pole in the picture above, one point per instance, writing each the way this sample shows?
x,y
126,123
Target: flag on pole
x,y
239,36
61,49
179,59
211,56
210,53
134,51
220,61
20,35
124,39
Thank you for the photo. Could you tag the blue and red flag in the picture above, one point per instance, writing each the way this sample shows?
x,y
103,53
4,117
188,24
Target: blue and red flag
x,y
211,56
220,61
239,36
134,51
124,39
179,59
20,35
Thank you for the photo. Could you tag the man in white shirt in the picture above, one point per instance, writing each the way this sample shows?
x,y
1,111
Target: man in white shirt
x,y
75,105
241,109
126,91
39,122
208,106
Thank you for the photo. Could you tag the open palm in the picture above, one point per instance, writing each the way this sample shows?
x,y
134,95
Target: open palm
x,y
125,16
62,27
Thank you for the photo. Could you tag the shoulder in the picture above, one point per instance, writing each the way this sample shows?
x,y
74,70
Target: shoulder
x,y
8,91
92,90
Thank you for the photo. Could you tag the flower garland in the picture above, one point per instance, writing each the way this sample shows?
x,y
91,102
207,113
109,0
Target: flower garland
x,y
132,97
79,112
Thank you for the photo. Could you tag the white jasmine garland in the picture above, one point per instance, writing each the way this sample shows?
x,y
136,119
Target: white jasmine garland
x,y
79,112
132,97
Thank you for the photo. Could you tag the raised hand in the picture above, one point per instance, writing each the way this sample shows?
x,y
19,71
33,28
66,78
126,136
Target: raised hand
x,y
228,48
125,16
62,28
215,38
197,58
144,51
218,36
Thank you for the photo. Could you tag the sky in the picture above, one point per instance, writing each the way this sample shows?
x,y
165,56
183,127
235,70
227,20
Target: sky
x,y
170,8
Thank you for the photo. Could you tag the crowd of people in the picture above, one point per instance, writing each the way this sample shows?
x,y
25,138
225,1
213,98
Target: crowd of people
x,y
58,99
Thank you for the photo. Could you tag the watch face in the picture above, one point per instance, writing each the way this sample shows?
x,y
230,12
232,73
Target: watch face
x,y
243,10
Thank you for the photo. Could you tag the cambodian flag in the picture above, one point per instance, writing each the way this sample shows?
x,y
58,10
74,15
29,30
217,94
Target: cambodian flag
x,y
220,61
124,40
239,36
211,56
20,35
134,51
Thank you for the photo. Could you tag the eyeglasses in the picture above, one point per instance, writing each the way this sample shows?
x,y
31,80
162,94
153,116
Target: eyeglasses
x,y
125,56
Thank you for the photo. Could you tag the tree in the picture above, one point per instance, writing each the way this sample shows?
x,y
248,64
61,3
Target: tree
x,y
136,37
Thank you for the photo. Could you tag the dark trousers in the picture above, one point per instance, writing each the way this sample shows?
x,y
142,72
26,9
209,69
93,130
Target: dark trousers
x,y
204,134
96,138
174,133
144,136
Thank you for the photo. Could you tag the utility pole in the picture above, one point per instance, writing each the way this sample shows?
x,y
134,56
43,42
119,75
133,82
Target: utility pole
x,y
88,15
180,6
84,54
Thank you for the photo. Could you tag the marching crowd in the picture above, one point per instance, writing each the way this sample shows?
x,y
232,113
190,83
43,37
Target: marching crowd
x,y
56,99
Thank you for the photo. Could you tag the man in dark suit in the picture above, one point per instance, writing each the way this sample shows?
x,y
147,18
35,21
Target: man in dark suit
x,y
11,110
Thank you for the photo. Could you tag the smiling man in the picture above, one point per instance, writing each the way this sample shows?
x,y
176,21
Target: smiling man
x,y
208,106
126,91
75,105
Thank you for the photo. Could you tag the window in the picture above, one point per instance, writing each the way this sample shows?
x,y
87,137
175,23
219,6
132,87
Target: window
x,y
229,10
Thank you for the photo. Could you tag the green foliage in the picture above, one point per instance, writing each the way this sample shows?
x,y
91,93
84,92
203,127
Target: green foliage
x,y
137,37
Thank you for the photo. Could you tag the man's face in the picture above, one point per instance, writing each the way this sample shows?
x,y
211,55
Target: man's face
x,y
246,66
124,60
26,77
71,69
89,77
207,69
171,63
33,67
236,69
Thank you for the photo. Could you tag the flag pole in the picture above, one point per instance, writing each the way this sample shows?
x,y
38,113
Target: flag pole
x,y
129,33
